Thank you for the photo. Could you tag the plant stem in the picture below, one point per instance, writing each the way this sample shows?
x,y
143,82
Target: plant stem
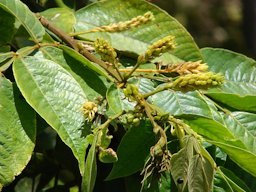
x,y
75,45
61,4
109,120
166,87
132,70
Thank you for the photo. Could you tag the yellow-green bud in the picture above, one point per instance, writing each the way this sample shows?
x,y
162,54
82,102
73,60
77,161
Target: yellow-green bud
x,y
136,122
105,50
200,79
161,46
125,25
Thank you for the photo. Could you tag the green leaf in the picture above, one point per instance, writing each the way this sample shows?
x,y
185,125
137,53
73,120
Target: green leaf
x,y
17,132
25,17
200,174
56,97
232,131
4,56
247,121
93,66
179,168
244,158
90,171
7,27
178,103
117,101
61,18
135,40
91,82
144,85
238,90
133,150
231,180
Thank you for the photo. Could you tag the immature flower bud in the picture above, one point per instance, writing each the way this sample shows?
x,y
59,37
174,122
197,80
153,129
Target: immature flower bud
x,y
157,48
89,109
105,50
200,79
125,25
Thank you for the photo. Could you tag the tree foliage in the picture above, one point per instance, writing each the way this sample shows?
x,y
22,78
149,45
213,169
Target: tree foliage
x,y
121,82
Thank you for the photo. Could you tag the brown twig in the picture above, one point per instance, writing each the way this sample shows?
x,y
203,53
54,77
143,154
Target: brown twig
x,y
75,45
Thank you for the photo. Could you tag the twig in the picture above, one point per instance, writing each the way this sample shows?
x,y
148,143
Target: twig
x,y
163,88
75,45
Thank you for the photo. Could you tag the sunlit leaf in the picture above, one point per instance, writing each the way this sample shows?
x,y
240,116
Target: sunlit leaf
x,y
91,82
17,132
238,90
135,40
57,97
60,17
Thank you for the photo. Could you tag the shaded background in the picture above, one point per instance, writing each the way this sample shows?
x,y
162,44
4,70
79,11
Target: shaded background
x,y
229,24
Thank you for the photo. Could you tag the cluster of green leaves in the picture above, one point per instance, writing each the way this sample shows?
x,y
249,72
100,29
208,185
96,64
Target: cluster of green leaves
x,y
52,82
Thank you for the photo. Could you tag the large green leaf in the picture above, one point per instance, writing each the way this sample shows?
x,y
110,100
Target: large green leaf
x,y
228,181
61,17
244,158
138,39
233,137
247,121
91,82
178,103
133,150
25,17
90,171
239,88
17,132
57,97
7,27
200,174
231,131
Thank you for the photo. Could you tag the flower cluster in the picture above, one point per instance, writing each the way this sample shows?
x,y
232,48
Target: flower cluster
x,y
200,79
121,26
105,50
89,109
188,67
157,48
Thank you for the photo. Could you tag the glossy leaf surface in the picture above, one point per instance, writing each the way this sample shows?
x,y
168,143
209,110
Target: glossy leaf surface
x,y
17,132
62,18
135,40
92,85
57,97
238,90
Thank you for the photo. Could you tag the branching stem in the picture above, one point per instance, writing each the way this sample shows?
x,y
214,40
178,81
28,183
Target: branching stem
x,y
166,87
75,45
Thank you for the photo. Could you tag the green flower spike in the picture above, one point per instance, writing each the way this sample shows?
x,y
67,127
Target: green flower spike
x,y
157,48
125,25
105,50
200,79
